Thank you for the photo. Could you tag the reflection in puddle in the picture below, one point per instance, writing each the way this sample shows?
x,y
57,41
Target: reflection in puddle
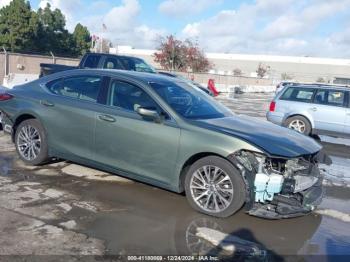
x,y
196,244
5,165
205,237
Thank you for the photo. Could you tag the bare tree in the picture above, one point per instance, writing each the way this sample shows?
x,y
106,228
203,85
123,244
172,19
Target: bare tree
x,y
286,76
320,80
237,72
261,70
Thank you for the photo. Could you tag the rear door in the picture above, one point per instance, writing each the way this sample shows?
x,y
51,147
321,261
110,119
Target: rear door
x,y
69,114
329,111
295,100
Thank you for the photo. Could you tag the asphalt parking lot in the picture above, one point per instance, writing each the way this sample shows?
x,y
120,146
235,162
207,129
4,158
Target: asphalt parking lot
x,y
66,209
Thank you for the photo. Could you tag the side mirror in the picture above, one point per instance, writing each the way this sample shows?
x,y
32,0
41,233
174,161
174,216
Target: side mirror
x,y
148,113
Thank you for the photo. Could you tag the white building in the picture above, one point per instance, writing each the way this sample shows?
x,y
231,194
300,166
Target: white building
x,y
307,69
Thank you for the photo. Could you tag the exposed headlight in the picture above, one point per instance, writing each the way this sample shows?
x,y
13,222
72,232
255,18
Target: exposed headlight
x,y
250,160
303,182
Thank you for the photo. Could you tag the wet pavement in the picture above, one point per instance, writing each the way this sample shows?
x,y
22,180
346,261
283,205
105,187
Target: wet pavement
x,y
67,209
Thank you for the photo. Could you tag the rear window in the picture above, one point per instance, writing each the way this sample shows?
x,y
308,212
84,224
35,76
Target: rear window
x,y
81,87
92,61
128,63
298,94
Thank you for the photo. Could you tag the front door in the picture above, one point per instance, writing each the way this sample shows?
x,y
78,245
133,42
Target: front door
x,y
128,142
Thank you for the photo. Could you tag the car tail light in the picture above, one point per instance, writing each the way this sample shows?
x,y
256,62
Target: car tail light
x,y
272,106
5,96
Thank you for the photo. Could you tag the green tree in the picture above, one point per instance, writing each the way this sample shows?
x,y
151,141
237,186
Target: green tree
x,y
82,38
52,35
18,26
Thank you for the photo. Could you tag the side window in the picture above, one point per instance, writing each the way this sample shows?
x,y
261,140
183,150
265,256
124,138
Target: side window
x,y
330,97
130,97
320,97
55,85
298,94
113,63
81,87
336,98
92,61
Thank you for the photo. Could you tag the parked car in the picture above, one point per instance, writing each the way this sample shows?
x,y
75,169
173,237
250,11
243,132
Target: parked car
x,y
313,109
2,90
101,61
205,90
164,132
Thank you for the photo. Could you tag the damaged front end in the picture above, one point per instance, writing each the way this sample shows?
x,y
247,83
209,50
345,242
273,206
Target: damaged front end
x,y
278,187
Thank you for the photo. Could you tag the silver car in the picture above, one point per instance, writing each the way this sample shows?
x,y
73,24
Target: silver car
x,y
313,109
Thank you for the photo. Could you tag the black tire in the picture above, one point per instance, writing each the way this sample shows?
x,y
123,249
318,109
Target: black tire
x,y
308,128
238,185
42,157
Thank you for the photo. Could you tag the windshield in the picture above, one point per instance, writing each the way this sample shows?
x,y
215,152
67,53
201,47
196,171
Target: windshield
x,y
142,66
127,63
189,101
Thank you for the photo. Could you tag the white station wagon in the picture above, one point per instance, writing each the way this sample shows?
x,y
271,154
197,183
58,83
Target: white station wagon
x,y
313,109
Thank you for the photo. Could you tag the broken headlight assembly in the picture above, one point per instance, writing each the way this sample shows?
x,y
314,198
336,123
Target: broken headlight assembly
x,y
277,176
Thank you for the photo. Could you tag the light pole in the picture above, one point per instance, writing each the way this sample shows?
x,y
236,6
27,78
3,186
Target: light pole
x,y
6,58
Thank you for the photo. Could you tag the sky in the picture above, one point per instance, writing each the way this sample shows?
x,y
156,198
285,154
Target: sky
x,y
318,28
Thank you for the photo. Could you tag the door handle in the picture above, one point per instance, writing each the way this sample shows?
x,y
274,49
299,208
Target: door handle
x,y
46,103
313,109
106,118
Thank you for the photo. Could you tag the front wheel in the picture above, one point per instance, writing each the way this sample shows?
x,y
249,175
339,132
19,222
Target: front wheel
x,y
215,187
31,142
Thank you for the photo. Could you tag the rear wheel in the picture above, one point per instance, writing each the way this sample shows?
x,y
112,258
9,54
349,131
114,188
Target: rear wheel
x,y
299,124
31,142
215,187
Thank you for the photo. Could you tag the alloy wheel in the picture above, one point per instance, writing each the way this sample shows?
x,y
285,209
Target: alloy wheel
x,y
29,142
298,125
211,188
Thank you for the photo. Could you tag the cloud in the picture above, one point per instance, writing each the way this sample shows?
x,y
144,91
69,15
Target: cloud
x,y
4,3
181,8
122,18
123,27
276,27
306,20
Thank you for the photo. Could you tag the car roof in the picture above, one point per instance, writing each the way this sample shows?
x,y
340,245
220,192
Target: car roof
x,y
133,75
321,86
115,55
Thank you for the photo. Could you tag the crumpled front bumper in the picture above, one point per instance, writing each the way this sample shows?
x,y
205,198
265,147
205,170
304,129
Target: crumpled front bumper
x,y
288,206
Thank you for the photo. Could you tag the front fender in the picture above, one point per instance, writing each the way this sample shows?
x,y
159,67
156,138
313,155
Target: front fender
x,y
205,142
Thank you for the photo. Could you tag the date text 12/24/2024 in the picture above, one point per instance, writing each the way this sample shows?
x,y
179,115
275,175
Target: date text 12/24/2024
x,y
172,258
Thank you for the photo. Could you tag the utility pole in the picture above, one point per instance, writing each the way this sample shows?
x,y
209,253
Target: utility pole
x,y
6,60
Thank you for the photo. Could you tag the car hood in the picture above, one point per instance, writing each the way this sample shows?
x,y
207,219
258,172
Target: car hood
x,y
273,139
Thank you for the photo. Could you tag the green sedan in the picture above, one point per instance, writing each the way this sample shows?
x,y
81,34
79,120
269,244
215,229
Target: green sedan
x,y
168,133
